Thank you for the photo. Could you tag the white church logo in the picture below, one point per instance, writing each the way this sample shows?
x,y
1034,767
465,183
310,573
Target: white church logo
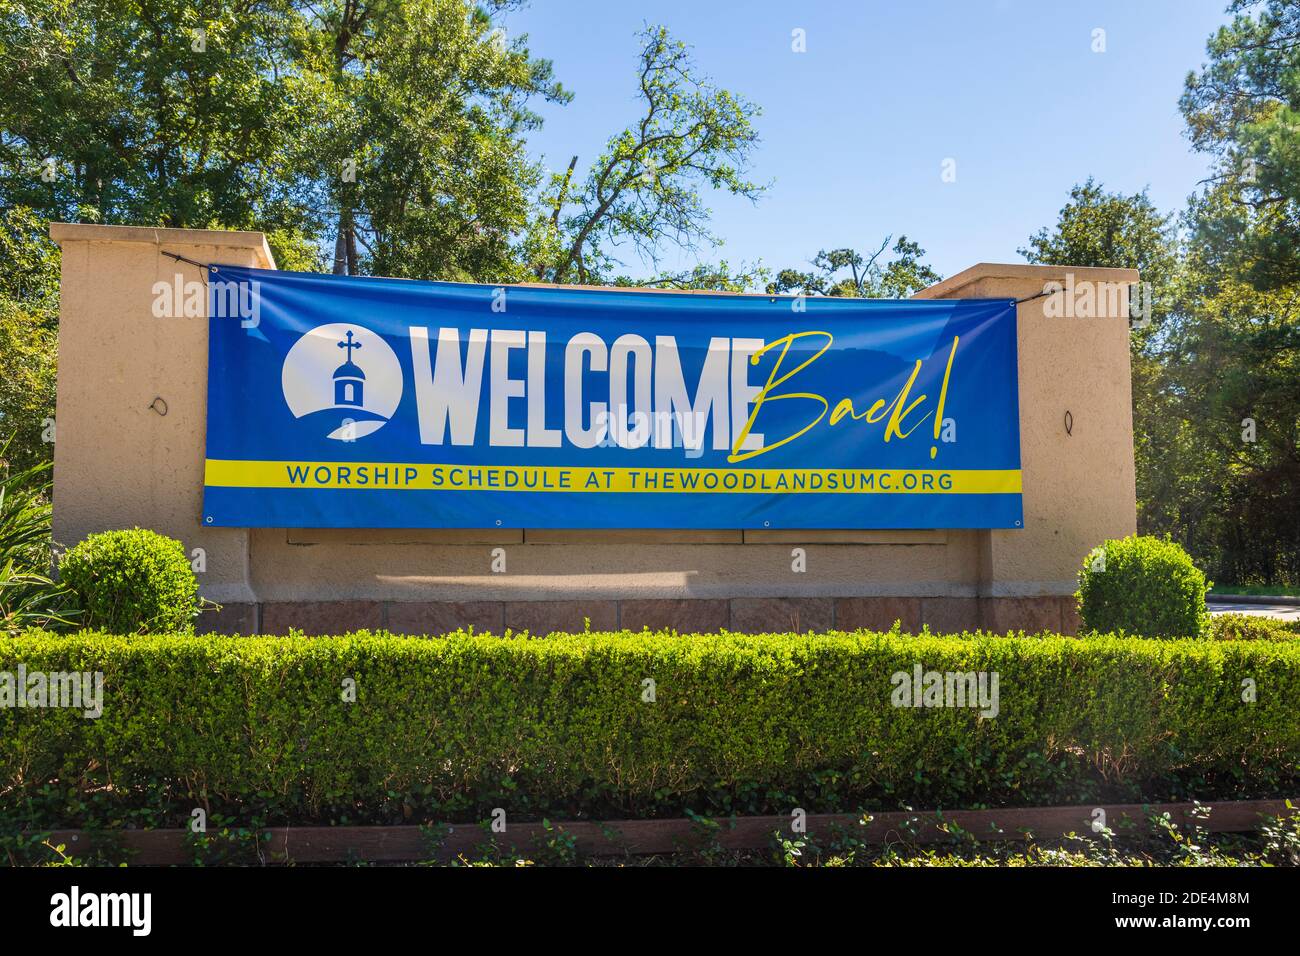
x,y
351,398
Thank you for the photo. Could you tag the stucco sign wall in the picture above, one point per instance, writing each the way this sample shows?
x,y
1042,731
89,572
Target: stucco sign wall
x,y
380,403
133,421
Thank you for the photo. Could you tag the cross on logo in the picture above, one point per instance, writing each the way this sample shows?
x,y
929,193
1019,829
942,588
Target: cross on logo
x,y
349,345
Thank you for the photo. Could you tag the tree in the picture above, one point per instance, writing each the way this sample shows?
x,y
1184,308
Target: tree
x,y
1243,107
1097,228
1234,361
240,115
866,276
245,115
715,277
29,293
147,113
644,189
415,141
1231,474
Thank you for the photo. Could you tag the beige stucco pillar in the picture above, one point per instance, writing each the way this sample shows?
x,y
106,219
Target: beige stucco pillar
x,y
132,391
1078,481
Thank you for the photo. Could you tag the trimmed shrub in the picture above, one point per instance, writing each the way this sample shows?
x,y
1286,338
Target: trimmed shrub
x,y
1250,627
1142,585
259,728
133,582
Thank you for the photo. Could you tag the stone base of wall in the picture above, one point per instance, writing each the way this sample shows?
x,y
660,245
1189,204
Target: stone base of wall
x,y
752,615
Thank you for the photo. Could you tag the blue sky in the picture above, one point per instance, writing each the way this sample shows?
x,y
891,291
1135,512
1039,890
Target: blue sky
x,y
855,130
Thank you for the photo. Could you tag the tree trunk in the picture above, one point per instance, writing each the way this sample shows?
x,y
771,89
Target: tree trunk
x,y
341,243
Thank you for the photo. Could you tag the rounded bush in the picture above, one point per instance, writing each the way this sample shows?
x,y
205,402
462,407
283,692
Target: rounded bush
x,y
1143,586
133,582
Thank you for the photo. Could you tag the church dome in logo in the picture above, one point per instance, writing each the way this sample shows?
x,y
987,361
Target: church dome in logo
x,y
343,377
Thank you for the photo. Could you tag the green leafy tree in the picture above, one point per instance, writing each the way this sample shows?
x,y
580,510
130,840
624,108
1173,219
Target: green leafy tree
x,y
644,191
29,290
1234,360
240,116
1111,230
714,277
1243,108
415,139
151,112
243,116
148,113
846,272
1229,467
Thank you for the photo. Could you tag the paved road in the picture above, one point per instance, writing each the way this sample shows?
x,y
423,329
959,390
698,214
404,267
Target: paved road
x,y
1288,612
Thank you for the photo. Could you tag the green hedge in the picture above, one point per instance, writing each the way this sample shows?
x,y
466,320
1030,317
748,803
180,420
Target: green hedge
x,y
1252,627
448,728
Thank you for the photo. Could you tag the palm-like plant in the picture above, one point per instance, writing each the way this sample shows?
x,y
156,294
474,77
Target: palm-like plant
x,y
29,597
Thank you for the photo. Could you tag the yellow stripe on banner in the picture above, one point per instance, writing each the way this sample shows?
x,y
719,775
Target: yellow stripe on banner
x,y
426,477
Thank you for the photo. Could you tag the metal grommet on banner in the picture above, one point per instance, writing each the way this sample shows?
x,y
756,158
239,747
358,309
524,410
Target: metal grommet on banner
x,y
159,400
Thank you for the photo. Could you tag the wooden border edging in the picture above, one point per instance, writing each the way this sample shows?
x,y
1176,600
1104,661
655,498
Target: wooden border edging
x,y
404,844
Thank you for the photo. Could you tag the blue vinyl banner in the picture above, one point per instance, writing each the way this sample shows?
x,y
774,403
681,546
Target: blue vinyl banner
x,y
338,402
